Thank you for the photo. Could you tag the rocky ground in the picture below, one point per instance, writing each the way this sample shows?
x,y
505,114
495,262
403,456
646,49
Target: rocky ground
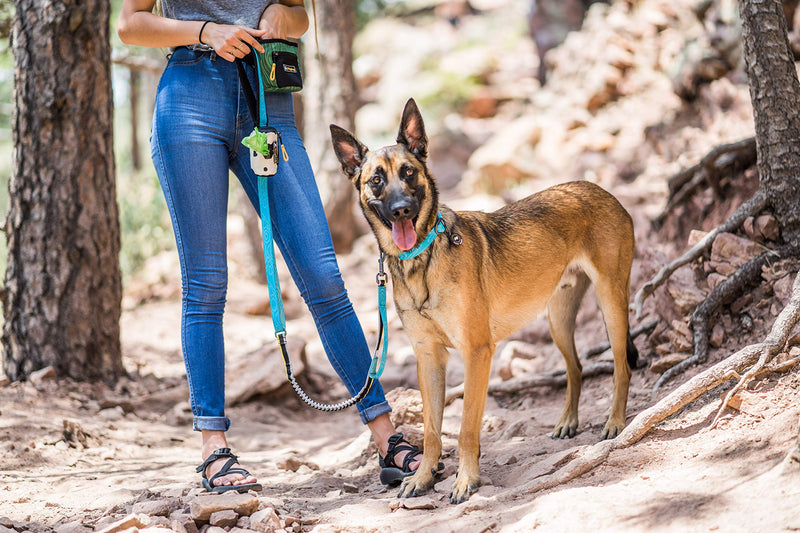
x,y
624,107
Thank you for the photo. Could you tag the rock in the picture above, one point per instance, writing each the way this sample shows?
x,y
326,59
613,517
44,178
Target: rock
x,y
695,236
6,522
111,414
350,488
749,403
215,529
4,529
717,336
782,289
224,518
162,507
680,336
265,520
243,522
74,434
138,521
202,507
40,377
729,252
180,522
423,502
406,406
714,279
76,526
293,464
767,227
682,285
261,372
665,362
4,380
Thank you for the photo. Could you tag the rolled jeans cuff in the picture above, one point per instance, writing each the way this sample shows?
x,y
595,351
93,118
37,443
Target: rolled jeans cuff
x,y
374,411
211,423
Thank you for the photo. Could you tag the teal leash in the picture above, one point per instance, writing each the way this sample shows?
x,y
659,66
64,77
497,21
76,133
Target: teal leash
x,y
276,301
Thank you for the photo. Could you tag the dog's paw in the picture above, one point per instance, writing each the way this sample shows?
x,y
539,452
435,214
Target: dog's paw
x,y
416,485
567,426
611,430
463,488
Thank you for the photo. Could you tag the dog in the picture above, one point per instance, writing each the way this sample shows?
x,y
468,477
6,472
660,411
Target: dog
x,y
484,276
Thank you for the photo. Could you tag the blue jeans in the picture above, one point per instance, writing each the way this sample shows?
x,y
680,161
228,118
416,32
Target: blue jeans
x,y
200,118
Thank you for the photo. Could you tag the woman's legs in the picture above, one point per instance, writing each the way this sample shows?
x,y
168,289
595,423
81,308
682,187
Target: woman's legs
x,y
193,130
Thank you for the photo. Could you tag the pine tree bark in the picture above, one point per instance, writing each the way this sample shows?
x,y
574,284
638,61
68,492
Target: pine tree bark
x,y
62,286
775,93
330,97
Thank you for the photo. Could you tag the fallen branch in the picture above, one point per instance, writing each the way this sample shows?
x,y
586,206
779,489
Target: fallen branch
x,y
556,378
730,368
752,206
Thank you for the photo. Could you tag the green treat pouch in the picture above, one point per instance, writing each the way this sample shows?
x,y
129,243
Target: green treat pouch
x,y
279,66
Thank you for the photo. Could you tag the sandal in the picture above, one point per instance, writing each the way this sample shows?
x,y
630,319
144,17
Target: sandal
x,y
226,469
391,474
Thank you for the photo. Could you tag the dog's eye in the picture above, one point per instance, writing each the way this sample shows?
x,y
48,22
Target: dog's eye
x,y
409,172
377,179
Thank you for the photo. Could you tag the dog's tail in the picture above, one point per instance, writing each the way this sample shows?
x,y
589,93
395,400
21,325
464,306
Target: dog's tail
x,y
633,353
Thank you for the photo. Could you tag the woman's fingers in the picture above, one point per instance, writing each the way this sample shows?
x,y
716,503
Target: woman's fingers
x,y
234,42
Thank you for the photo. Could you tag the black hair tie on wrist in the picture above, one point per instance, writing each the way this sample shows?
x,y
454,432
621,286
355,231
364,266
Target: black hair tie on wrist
x,y
200,35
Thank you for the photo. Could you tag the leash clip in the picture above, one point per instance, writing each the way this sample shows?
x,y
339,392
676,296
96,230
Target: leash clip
x,y
381,277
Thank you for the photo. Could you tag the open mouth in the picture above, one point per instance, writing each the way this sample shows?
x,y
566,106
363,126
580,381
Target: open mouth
x,y
404,235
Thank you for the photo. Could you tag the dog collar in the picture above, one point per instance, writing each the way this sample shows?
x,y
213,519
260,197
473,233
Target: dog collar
x,y
437,228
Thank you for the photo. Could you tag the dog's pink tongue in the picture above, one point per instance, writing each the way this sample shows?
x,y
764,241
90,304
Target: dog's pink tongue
x,y
403,234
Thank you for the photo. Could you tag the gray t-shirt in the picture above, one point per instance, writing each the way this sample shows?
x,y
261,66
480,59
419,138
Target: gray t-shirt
x,y
240,12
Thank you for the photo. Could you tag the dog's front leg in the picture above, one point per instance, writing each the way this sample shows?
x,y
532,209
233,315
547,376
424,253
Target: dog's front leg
x,y
477,367
431,370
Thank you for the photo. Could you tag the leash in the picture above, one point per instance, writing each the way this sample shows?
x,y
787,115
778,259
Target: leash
x,y
378,363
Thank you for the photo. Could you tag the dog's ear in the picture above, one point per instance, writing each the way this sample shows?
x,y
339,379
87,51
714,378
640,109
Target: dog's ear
x,y
412,131
349,151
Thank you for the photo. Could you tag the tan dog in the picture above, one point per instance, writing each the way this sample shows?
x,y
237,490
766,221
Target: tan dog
x,y
484,276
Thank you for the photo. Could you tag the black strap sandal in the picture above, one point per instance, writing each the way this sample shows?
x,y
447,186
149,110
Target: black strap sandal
x,y
226,469
391,474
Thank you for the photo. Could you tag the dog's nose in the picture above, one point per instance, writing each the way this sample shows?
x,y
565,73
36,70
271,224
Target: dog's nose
x,y
401,209
401,206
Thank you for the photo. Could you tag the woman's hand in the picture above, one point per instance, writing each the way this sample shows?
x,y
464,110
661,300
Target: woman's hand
x,y
231,42
286,20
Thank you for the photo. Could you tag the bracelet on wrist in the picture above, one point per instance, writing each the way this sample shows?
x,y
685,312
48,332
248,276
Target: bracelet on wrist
x,y
200,35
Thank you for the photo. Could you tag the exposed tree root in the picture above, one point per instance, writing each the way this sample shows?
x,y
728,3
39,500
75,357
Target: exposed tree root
x,y
726,292
709,171
751,207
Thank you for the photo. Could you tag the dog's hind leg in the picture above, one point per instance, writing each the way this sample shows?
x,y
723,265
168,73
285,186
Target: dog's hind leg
x,y
431,370
613,299
561,312
477,367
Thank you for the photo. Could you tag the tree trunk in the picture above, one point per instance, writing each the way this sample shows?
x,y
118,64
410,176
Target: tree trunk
x,y
330,97
775,93
63,286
